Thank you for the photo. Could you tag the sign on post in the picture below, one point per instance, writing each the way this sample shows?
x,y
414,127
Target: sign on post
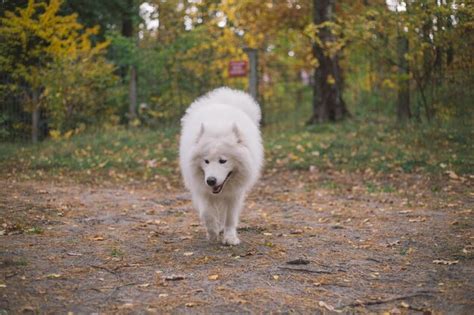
x,y
237,68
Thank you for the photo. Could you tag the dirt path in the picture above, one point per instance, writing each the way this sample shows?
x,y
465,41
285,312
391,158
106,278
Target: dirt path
x,y
128,248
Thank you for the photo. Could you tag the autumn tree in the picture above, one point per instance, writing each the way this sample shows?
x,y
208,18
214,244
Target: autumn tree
x,y
419,54
403,93
328,103
47,56
118,21
278,30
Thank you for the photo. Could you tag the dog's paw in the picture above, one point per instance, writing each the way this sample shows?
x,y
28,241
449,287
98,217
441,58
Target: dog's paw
x,y
212,237
230,240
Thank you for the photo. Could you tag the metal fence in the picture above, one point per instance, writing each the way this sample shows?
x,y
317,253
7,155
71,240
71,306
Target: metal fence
x,y
15,120
283,92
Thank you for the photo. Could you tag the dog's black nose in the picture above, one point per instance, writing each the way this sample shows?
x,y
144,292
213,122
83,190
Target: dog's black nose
x,y
211,181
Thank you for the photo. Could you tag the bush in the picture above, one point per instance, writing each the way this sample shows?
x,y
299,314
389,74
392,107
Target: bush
x,y
80,91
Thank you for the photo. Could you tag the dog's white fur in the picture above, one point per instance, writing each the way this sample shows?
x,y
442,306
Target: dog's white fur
x,y
220,136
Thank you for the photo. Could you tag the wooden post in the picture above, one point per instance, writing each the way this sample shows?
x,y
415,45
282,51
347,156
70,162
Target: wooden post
x,y
252,53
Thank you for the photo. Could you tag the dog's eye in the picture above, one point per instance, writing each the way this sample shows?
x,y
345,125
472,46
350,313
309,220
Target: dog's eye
x,y
206,161
222,161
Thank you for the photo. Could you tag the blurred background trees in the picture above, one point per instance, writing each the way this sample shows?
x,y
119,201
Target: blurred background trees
x,y
50,68
69,65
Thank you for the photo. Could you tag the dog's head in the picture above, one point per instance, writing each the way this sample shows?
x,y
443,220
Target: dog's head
x,y
217,157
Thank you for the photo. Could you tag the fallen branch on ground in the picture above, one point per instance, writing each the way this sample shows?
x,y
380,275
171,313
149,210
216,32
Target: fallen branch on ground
x,y
306,270
104,268
383,301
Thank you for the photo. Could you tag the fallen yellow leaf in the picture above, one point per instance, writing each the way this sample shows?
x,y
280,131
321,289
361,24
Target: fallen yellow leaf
x,y
213,277
445,262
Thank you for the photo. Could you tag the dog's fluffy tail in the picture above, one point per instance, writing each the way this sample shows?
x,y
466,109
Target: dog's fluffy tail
x,y
239,99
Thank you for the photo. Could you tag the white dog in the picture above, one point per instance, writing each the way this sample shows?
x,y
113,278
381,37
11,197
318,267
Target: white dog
x,y
221,156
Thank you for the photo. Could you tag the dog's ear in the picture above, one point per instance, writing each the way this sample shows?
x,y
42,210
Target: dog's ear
x,y
201,133
237,133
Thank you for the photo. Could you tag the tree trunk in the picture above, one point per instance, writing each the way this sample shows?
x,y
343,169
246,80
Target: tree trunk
x,y
403,99
328,104
132,94
35,118
128,31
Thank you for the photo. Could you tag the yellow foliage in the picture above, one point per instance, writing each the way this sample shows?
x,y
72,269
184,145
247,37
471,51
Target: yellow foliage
x,y
42,35
55,56
389,84
55,134
330,79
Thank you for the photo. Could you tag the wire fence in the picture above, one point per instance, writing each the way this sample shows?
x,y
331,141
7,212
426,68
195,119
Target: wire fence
x,y
15,120
163,95
285,97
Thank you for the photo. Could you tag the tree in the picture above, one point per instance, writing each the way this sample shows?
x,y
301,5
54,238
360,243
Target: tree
x,y
108,15
121,17
419,54
278,30
403,94
328,104
36,46
128,30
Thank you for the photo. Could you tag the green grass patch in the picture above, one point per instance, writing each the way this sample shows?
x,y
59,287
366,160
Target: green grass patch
x,y
115,153
329,184
364,144
378,188
21,262
115,252
35,230
379,145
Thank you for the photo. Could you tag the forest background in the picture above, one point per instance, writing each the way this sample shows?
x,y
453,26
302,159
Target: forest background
x,y
401,70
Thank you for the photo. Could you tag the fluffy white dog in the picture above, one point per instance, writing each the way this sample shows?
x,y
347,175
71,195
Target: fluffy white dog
x,y
221,156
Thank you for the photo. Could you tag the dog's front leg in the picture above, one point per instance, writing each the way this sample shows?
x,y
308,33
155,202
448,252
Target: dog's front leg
x,y
212,225
231,221
208,217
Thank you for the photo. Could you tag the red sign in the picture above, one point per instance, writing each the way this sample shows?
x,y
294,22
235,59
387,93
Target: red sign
x,y
237,68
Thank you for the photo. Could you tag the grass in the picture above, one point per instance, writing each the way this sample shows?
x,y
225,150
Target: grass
x,y
374,146
21,262
329,184
35,230
115,153
377,188
369,145
116,253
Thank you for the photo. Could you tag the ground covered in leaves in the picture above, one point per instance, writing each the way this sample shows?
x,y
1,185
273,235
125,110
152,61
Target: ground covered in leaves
x,y
312,241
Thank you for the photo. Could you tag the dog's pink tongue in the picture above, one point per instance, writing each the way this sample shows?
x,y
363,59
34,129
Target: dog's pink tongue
x,y
216,189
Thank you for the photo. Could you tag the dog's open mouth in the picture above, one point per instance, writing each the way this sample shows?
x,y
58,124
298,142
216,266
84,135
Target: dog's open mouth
x,y
218,189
